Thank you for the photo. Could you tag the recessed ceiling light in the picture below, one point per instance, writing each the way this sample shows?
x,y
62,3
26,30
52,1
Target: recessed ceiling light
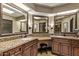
x,y
22,6
7,11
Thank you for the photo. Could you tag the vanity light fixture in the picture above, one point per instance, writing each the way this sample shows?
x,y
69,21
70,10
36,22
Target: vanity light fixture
x,y
8,11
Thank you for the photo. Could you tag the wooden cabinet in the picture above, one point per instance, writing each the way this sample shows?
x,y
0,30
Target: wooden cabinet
x,y
75,47
75,50
61,46
27,49
65,46
14,52
30,49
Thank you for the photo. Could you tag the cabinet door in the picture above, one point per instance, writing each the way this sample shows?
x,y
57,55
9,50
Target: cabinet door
x,y
75,50
26,51
56,47
66,49
34,50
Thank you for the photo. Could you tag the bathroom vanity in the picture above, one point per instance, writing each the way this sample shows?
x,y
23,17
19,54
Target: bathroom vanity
x,y
66,46
19,47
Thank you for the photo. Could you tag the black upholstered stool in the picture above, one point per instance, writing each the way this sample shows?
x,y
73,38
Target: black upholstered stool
x,y
43,48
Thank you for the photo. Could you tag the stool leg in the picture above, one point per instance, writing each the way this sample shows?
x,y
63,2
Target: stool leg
x,y
46,51
41,51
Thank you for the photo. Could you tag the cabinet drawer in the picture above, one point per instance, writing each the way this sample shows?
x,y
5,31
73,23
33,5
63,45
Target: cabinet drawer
x,y
18,49
62,40
57,40
6,54
30,43
14,51
75,41
27,44
65,41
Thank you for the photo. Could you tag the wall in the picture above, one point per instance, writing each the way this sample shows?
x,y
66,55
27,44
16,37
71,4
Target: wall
x,y
29,23
78,20
51,24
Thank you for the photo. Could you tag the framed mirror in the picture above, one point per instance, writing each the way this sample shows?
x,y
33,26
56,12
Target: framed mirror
x,y
40,24
65,23
13,19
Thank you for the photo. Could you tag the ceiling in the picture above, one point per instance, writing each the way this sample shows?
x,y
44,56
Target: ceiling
x,y
32,7
52,4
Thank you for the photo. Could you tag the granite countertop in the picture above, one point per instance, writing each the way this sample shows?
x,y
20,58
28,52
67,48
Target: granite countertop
x,y
65,37
7,45
44,38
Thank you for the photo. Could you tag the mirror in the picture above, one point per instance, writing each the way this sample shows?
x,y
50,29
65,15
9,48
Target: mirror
x,y
13,19
40,24
65,23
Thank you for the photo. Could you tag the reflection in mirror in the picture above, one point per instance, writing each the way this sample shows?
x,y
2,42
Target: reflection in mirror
x,y
65,26
64,23
13,21
40,24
